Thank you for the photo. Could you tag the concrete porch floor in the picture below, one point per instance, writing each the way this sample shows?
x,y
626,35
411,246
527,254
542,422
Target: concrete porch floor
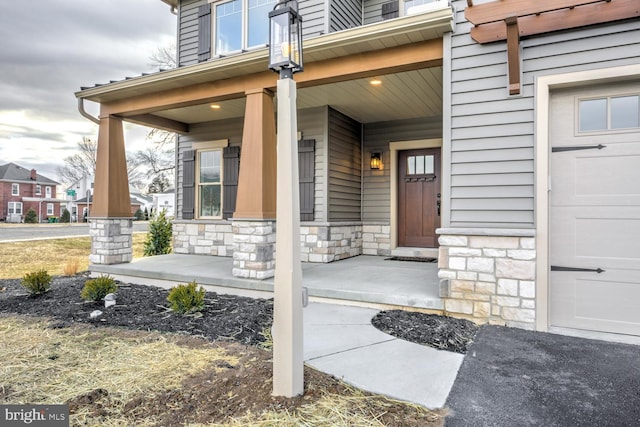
x,y
364,280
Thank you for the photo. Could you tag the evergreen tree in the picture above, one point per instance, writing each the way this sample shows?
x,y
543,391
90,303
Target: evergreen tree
x,y
31,217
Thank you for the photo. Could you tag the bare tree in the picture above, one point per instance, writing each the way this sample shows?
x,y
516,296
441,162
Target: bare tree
x,y
164,57
83,163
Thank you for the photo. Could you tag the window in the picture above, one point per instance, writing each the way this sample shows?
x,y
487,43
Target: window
x,y
209,184
49,208
15,189
418,6
47,192
38,189
15,208
611,113
240,24
420,165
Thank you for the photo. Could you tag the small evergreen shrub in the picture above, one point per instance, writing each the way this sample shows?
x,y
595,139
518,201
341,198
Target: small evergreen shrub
x,y
96,289
158,241
187,298
66,216
31,217
139,215
37,282
146,214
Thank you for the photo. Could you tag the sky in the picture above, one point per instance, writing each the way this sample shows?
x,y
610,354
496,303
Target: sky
x,y
48,50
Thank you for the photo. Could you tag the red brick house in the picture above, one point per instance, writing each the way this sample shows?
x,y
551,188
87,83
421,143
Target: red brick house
x,y
22,189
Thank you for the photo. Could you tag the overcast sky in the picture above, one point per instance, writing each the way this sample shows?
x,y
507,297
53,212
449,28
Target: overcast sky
x,y
48,49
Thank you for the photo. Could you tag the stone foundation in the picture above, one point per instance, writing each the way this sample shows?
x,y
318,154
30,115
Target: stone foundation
x,y
325,243
254,248
111,241
376,239
201,237
488,275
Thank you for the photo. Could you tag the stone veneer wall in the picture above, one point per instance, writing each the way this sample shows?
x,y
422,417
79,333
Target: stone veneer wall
x,y
111,241
201,237
376,239
254,248
488,275
325,243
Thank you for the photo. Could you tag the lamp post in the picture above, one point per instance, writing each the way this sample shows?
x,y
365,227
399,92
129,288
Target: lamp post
x,y
285,58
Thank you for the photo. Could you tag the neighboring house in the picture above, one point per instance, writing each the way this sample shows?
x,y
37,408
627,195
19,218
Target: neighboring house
x,y
85,206
79,190
467,130
145,201
22,189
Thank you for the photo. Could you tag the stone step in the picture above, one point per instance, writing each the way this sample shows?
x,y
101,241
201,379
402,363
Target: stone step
x,y
415,252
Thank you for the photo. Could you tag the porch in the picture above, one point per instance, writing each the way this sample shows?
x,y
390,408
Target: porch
x,y
362,280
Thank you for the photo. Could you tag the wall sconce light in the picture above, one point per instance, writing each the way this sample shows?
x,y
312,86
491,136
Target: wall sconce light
x,y
376,161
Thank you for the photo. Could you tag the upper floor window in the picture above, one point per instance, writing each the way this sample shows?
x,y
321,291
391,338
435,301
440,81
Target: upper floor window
x,y
417,6
47,191
38,189
15,189
609,113
240,24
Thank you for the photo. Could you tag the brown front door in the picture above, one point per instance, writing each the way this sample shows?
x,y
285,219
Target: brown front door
x,y
418,197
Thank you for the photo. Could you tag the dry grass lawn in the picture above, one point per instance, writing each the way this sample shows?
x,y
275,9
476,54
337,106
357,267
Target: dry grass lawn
x,y
19,258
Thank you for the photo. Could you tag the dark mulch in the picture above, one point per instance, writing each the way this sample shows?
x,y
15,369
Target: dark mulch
x,y
441,332
224,317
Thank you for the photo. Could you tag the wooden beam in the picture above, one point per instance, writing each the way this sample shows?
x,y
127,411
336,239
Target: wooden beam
x,y
500,10
386,61
158,122
513,54
590,14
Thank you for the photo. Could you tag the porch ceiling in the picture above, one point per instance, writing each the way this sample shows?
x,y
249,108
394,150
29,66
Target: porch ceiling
x,y
404,95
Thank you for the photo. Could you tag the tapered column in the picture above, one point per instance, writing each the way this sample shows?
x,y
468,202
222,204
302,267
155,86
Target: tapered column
x,y
111,186
288,364
256,197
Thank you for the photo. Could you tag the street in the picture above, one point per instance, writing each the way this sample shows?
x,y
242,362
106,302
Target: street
x,y
15,232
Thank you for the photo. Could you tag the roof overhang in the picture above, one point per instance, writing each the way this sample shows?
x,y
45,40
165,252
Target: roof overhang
x,y
172,3
387,34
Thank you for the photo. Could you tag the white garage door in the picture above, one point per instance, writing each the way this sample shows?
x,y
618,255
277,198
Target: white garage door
x,y
595,209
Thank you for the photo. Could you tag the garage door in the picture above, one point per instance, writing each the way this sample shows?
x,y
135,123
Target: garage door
x,y
595,209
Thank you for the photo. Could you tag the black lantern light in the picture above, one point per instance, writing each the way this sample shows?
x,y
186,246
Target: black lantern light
x,y
285,39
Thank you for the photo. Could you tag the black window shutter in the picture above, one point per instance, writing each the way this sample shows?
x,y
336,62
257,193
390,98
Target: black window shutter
x,y
204,32
188,184
306,170
231,167
390,10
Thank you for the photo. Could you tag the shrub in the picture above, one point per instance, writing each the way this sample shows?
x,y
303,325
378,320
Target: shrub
x,y
37,282
158,241
96,289
187,298
31,217
66,216
139,215
146,214
71,267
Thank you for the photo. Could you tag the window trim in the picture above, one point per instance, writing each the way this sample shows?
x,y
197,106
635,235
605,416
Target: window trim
x,y
243,30
15,189
50,209
212,147
38,190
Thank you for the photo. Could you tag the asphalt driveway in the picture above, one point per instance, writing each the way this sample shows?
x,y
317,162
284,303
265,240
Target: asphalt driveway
x,y
513,377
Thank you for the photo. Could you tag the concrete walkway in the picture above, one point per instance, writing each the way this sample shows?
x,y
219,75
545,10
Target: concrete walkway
x,y
341,341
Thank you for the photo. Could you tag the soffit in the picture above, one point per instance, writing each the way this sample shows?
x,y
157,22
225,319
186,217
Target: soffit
x,y
386,34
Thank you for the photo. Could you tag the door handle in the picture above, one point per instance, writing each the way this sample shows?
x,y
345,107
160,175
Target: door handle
x,y
438,203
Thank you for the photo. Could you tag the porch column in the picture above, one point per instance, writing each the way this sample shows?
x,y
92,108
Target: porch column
x,y
110,216
254,218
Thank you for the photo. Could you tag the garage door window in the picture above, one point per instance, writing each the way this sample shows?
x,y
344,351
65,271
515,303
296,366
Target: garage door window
x,y
611,113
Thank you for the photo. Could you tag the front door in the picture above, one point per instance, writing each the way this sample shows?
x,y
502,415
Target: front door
x,y
418,197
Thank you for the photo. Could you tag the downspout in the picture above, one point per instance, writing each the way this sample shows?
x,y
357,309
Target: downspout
x,y
84,113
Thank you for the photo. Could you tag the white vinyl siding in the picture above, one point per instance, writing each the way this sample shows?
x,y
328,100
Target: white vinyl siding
x,y
492,133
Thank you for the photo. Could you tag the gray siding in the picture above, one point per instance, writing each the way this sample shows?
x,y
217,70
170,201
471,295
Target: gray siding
x,y
312,123
345,168
314,23
377,136
188,32
492,134
345,14
372,11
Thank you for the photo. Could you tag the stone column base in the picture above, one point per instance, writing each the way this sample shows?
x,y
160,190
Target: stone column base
x,y
254,248
111,241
